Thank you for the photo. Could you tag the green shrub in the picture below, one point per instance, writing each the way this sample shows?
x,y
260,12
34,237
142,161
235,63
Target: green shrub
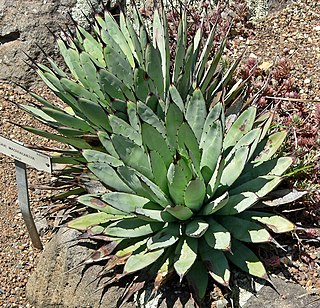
x,y
184,166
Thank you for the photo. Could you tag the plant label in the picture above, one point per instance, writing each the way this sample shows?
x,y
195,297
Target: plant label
x,y
21,153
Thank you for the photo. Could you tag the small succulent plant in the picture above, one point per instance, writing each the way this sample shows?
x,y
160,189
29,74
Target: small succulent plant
x,y
184,167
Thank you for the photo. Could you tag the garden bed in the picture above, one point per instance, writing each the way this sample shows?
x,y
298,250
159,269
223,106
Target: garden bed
x,y
291,32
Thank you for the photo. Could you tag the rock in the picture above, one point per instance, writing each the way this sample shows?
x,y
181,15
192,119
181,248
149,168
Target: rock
x,y
266,65
24,30
52,284
23,25
258,8
291,295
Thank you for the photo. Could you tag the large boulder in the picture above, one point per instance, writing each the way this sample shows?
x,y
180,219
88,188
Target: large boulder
x,y
58,282
290,295
26,27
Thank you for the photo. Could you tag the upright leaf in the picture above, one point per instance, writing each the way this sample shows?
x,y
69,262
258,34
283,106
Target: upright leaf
x,y
216,263
196,113
194,194
181,47
217,236
240,127
186,254
198,279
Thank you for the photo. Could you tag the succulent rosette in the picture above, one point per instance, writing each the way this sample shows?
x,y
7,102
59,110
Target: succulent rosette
x,y
184,167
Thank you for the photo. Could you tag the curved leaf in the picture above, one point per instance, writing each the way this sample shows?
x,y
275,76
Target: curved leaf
x,y
93,156
132,155
131,37
148,116
188,145
141,260
174,119
178,176
95,113
238,203
132,227
213,116
283,196
215,205
176,98
121,127
108,175
95,202
155,212
276,223
153,67
107,144
67,119
250,139
181,48
214,182
155,141
118,65
235,167
164,238
268,147
196,228
260,186
161,40
245,230
112,85
115,32
75,142
275,166
246,260
211,146
159,171
83,222
124,202
196,113
179,211
240,127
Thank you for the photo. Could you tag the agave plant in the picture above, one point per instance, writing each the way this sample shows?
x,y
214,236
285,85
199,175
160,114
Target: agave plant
x,y
184,175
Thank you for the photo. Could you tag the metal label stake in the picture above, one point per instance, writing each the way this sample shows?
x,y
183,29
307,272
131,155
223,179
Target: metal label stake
x,y
24,156
23,199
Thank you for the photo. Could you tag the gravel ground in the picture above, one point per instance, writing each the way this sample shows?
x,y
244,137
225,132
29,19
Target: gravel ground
x,y
294,31
17,256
